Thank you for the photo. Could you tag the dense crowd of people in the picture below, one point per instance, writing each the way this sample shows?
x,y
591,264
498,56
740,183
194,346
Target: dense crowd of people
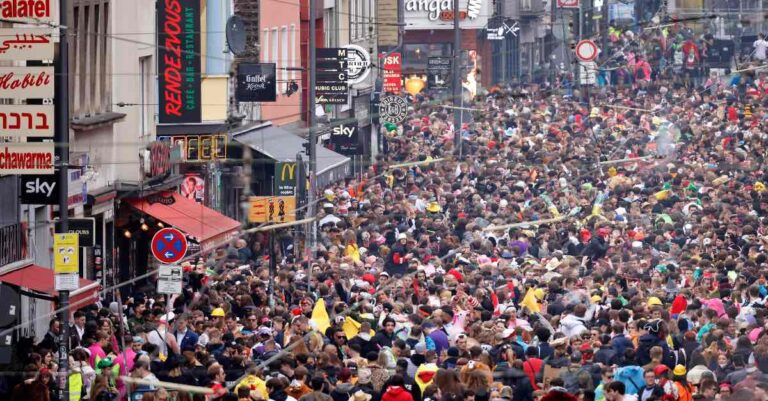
x,y
609,246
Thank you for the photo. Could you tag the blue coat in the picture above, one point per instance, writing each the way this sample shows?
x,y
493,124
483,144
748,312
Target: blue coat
x,y
189,341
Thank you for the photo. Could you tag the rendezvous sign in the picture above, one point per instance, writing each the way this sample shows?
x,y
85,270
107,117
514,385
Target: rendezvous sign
x,y
169,245
332,85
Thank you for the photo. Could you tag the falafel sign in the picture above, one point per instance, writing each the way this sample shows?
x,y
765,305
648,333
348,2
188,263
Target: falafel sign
x,y
178,27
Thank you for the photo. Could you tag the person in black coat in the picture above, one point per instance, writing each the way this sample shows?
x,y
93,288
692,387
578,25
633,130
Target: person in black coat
x,y
514,377
397,261
651,391
386,335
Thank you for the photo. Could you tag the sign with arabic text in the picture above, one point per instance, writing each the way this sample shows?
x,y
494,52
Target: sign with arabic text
x,y
26,44
256,82
178,61
26,120
26,82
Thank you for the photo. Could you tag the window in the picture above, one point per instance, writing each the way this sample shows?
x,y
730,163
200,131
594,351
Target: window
x,y
364,18
274,51
284,60
146,83
353,19
265,46
89,57
294,57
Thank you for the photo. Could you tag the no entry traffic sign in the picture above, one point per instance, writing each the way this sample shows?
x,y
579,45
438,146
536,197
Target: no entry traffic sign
x,y
586,50
169,245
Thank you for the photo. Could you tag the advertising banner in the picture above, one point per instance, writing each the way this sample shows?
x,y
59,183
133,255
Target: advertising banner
x,y
393,69
344,137
178,61
285,178
193,187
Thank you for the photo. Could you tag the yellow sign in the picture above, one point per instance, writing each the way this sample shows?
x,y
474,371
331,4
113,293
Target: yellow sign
x,y
66,253
272,209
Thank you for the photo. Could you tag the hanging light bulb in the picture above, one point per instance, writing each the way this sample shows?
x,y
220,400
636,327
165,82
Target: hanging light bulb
x,y
127,234
160,224
144,226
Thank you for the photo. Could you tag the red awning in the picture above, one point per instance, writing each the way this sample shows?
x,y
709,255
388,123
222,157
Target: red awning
x,y
208,227
40,279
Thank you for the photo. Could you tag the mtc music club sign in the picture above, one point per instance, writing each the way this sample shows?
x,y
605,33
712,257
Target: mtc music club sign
x,y
178,61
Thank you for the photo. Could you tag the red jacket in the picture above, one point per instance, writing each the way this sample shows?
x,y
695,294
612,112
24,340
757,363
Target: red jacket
x,y
532,367
396,393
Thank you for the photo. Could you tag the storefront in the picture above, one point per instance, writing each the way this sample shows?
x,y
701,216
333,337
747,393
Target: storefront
x,y
428,43
276,144
140,218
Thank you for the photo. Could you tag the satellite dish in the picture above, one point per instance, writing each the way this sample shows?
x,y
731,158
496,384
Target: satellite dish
x,y
236,35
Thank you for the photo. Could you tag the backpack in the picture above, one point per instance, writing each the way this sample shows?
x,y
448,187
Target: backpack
x,y
576,379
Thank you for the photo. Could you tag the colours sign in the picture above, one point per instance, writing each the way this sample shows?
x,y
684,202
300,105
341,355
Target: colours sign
x,y
178,27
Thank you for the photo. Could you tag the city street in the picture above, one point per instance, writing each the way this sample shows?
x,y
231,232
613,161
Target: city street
x,y
383,200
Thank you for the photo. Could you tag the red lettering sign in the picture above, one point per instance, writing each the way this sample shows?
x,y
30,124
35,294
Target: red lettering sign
x,y
393,73
25,9
26,158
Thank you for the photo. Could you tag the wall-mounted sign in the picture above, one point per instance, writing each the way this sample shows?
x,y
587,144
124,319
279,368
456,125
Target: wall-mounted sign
x,y
393,69
393,109
26,82
193,188
178,61
84,228
568,3
358,64
66,253
256,83
331,86
285,178
438,14
40,189
13,242
26,120
439,72
272,209
344,137
498,29
199,148
588,72
27,10
159,158
26,44
26,158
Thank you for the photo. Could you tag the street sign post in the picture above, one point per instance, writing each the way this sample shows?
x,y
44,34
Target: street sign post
x,y
169,245
66,253
169,279
586,50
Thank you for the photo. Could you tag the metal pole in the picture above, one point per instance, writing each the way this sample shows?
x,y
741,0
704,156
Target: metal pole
x,y
311,121
457,92
62,139
272,268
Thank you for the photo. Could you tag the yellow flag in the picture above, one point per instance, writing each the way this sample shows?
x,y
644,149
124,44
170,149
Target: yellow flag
x,y
351,327
529,301
320,319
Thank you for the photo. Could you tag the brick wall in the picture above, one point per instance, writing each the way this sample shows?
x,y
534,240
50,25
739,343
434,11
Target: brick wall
x,y
248,10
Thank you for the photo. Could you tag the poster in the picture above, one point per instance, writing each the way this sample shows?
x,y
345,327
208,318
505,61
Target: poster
x,y
256,83
193,188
